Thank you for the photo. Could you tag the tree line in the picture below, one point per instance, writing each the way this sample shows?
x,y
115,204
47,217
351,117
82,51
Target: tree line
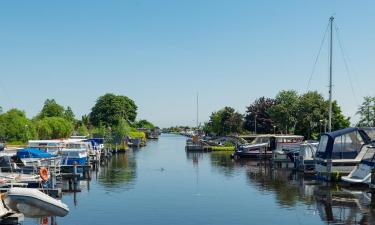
x,y
287,113
112,116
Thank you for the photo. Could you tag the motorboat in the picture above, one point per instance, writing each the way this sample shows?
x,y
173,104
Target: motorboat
x,y
264,145
37,157
361,174
75,152
34,203
339,152
49,146
305,161
296,155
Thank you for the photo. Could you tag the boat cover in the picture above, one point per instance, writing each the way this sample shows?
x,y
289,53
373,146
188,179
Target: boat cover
x,y
33,153
330,144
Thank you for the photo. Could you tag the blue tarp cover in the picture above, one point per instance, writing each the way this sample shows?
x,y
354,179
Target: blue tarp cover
x,y
33,153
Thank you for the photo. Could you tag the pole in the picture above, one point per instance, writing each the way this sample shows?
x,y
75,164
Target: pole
x,y
330,77
329,160
197,109
255,124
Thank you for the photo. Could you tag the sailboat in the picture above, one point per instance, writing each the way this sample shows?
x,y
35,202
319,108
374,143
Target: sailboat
x,y
339,151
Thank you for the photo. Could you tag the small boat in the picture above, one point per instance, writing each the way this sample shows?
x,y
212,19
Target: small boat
x,y
263,146
75,152
361,174
194,144
34,203
341,151
50,146
37,157
305,161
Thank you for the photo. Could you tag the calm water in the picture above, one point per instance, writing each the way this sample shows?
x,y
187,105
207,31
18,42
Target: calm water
x,y
162,184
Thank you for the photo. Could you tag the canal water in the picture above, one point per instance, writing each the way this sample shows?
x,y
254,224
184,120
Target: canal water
x,y
162,184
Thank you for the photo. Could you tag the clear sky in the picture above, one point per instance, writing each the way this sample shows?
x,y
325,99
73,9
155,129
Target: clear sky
x,y
161,53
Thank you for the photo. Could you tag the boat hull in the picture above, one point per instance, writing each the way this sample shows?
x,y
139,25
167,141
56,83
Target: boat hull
x,y
34,203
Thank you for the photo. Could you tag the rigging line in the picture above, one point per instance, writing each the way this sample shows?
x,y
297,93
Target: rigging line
x,y
317,57
345,63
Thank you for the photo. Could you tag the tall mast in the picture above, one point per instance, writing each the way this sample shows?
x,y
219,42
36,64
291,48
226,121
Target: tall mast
x,y
330,77
197,109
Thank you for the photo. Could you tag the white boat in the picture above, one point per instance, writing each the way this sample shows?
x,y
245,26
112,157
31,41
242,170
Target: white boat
x,y
34,203
263,146
75,152
50,146
361,174
341,151
10,179
38,158
306,157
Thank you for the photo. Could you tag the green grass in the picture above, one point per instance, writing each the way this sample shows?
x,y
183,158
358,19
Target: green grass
x,y
223,148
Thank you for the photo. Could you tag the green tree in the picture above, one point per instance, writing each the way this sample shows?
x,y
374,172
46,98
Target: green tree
x,y
53,128
284,111
145,124
110,108
367,112
224,122
85,120
120,130
51,109
312,116
16,127
69,115
259,110
82,130
339,121
312,109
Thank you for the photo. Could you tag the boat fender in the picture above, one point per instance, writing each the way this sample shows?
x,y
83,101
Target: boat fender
x,y
43,172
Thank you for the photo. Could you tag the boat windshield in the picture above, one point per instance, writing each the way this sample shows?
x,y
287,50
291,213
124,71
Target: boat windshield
x,y
370,133
323,144
347,146
369,156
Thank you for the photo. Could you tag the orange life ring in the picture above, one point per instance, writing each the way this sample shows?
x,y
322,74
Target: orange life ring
x,y
43,172
44,221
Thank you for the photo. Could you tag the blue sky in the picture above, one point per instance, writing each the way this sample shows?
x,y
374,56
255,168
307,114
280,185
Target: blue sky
x,y
161,53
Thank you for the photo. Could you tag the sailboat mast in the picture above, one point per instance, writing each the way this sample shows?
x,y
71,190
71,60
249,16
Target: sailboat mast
x,y
330,77
197,109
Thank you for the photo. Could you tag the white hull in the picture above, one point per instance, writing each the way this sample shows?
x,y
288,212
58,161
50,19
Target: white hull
x,y
34,203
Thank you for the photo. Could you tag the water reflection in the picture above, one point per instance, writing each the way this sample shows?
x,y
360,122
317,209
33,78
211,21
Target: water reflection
x,y
119,172
335,204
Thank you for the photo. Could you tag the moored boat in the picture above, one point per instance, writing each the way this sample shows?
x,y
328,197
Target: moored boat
x,y
339,152
264,145
361,174
34,203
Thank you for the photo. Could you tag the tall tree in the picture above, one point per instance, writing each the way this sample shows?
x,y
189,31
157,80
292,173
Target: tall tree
x,y
284,111
313,113
224,122
259,110
312,109
367,112
69,114
110,108
51,109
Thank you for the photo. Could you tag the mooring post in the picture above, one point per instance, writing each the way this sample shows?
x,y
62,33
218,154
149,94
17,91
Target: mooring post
x,y
75,174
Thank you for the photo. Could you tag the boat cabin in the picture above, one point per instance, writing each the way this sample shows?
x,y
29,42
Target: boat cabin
x,y
343,147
